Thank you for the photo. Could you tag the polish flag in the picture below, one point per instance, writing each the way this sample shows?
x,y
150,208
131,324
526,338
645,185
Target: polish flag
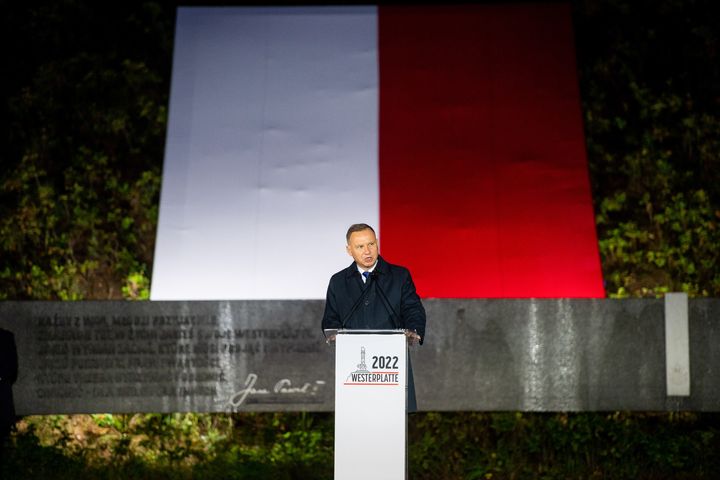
x,y
455,131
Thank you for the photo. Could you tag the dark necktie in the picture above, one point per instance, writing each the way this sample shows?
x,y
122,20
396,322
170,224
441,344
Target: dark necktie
x,y
366,275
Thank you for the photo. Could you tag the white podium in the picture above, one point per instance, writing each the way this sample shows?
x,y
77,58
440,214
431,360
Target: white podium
x,y
370,405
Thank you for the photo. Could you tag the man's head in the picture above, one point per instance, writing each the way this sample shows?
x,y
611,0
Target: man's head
x,y
362,245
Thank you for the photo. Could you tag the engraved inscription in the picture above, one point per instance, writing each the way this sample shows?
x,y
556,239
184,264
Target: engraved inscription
x,y
167,356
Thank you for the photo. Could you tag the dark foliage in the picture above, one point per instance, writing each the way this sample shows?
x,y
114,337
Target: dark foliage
x,y
650,79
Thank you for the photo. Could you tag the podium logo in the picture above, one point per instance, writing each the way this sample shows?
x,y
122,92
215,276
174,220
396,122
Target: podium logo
x,y
383,371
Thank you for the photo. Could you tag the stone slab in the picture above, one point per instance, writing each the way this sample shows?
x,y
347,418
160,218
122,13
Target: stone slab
x,y
226,356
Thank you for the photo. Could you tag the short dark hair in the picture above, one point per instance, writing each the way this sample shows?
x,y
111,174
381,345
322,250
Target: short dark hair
x,y
357,227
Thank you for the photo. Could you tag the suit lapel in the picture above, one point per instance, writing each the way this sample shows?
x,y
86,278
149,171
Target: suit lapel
x,y
354,284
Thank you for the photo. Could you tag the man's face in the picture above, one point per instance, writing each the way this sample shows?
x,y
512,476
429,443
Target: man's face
x,y
363,247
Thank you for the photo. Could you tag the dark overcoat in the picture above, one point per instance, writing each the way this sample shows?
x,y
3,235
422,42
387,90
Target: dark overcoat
x,y
387,301
8,375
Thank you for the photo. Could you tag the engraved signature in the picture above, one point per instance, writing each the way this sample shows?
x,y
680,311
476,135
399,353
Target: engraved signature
x,y
283,386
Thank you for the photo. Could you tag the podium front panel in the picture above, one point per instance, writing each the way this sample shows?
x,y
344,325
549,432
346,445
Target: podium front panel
x,y
370,406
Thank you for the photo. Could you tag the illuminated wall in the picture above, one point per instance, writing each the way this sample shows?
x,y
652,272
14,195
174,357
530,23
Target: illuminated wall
x,y
456,131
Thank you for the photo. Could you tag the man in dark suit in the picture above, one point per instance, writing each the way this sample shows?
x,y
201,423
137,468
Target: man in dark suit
x,y
8,375
374,294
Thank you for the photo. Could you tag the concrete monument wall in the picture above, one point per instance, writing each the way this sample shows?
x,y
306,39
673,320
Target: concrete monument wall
x,y
224,356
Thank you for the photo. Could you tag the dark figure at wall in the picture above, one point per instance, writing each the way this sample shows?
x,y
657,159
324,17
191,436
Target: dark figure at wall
x,y
8,375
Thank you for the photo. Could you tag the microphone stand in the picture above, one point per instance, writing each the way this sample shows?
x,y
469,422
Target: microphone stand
x,y
355,306
386,303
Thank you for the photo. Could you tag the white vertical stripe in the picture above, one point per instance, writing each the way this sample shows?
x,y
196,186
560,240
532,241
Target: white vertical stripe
x,y
271,151
677,344
533,353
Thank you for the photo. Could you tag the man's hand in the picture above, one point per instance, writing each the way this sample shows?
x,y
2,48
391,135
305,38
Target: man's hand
x,y
330,339
412,337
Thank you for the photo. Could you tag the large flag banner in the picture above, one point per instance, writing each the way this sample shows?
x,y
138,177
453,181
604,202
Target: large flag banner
x,y
455,131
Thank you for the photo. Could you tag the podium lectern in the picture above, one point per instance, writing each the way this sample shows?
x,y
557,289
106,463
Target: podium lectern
x,y
370,404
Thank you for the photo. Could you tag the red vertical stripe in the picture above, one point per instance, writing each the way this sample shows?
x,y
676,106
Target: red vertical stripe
x,y
484,186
